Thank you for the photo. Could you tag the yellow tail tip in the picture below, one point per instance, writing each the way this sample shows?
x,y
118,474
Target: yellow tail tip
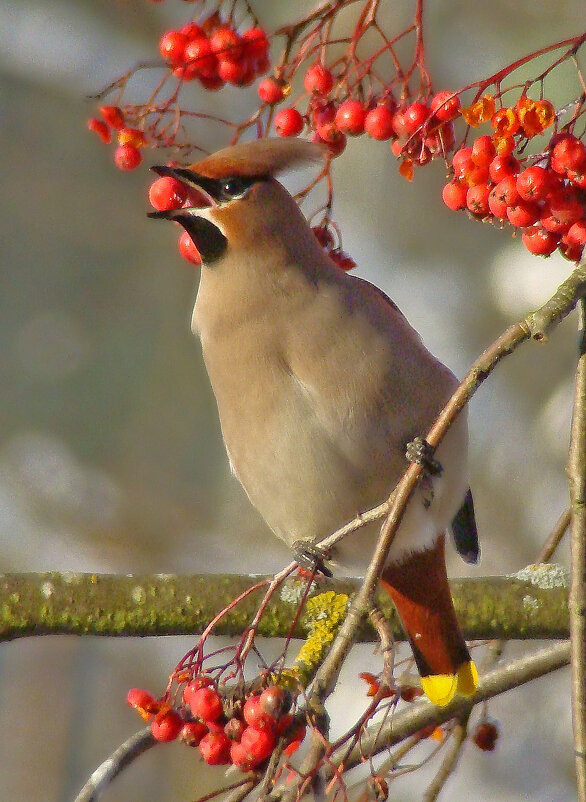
x,y
441,688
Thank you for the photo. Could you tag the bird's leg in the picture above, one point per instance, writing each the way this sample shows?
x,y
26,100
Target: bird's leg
x,y
418,450
311,557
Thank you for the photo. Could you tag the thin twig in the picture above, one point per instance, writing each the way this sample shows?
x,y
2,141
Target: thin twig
x,y
422,714
122,757
450,761
554,538
577,595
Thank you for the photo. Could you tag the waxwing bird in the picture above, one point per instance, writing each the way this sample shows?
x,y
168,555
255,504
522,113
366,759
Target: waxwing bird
x,y
321,383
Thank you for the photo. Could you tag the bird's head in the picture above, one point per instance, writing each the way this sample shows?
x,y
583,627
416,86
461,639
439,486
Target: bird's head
x,y
244,204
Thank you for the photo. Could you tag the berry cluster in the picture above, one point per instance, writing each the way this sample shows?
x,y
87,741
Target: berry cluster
x,y
544,195
419,131
215,54
127,155
244,735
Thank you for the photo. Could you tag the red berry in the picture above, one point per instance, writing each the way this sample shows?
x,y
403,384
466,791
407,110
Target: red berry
x,y
188,249
167,193
504,145
483,151
414,116
497,204
233,72
139,699
113,116
533,183
205,703
454,195
215,748
578,177
462,162
288,122
350,117
539,241
477,198
506,190
441,140
284,723
259,743
199,56
273,701
569,251
523,213
576,234
561,211
241,757
101,129
187,72
485,736
502,166
445,106
336,141
127,157
166,725
328,132
226,44
131,136
211,82
271,90
191,30
568,153
192,732
475,175
378,123
255,42
172,47
255,716
341,259
318,79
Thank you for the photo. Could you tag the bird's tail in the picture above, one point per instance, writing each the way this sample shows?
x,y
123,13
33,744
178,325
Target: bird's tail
x,y
419,589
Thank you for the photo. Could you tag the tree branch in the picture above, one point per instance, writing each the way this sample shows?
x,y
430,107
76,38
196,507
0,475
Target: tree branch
x,y
125,754
577,599
422,714
531,604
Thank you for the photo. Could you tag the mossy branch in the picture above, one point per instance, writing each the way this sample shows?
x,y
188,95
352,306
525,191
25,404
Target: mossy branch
x,y
532,604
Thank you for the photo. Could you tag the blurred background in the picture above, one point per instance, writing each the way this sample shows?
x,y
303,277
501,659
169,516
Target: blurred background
x,y
110,452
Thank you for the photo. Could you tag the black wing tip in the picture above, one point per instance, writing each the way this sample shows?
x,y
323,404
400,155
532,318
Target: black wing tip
x,y
465,533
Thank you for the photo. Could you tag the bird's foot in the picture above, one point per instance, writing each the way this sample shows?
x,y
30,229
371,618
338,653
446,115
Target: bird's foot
x,y
310,557
418,450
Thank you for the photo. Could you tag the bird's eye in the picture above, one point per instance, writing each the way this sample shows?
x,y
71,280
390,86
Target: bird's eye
x,y
234,187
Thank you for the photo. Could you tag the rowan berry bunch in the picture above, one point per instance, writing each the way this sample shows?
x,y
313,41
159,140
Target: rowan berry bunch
x,y
543,194
329,84
241,731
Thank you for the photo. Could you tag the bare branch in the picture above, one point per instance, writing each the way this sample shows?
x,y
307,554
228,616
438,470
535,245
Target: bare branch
x,y
122,757
577,599
422,714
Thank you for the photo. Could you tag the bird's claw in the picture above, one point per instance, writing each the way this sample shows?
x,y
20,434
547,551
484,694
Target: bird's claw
x,y
418,450
311,557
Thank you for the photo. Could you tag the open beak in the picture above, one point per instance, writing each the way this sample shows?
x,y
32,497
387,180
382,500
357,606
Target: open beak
x,y
206,236
206,188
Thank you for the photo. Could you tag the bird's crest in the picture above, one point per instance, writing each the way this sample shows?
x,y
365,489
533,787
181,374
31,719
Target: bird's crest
x,y
261,157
